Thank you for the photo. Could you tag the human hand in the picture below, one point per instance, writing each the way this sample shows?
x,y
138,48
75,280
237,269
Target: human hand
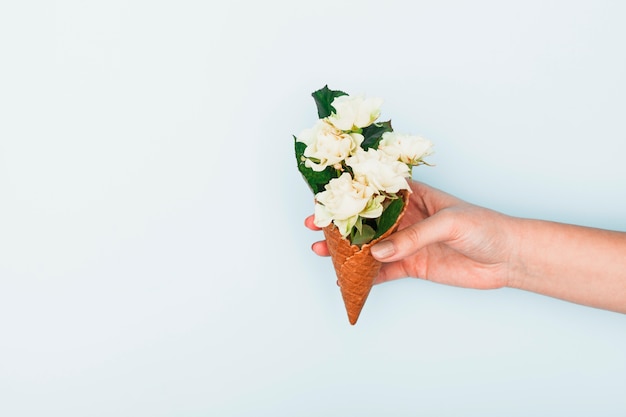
x,y
446,240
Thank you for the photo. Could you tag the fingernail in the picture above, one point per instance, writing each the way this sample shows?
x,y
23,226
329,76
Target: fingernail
x,y
383,249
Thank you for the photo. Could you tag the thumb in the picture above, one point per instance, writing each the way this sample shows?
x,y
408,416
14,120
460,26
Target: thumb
x,y
406,242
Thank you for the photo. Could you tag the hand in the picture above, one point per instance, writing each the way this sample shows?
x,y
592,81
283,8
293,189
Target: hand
x,y
446,240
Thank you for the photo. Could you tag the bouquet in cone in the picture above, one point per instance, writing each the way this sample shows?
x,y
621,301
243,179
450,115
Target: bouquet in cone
x,y
358,170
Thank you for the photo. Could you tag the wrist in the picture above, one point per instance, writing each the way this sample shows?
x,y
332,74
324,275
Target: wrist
x,y
520,237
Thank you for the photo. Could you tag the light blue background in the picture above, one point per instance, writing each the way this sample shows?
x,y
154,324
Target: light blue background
x,y
153,260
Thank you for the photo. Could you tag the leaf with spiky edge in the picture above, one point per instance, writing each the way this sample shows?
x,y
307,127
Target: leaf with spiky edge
x,y
316,180
323,100
389,216
373,133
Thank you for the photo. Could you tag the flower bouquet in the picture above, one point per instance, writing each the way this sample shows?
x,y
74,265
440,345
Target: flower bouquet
x,y
357,168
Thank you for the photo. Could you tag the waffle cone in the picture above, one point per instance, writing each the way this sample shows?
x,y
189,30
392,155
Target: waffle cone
x,y
355,267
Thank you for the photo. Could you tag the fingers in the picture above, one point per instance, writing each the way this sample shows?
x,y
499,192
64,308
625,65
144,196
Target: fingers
x,y
403,243
309,223
320,248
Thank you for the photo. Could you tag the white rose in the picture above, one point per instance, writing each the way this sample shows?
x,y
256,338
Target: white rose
x,y
343,202
378,170
327,146
354,112
409,149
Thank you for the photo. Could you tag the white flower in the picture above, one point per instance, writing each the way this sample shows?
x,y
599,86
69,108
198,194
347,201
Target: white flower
x,y
344,201
327,146
354,112
409,149
379,171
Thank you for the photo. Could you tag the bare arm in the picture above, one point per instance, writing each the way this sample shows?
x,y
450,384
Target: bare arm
x,y
579,264
446,240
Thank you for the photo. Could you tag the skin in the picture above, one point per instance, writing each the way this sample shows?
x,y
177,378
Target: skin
x,y
449,241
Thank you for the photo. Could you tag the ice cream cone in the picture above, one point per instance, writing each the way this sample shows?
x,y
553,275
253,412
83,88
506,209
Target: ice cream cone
x,y
355,267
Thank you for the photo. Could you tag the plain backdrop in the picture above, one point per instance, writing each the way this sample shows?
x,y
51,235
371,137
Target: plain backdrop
x,y
153,258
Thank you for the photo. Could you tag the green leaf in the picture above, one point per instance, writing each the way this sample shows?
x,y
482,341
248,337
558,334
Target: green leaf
x,y
323,100
373,133
363,236
316,180
389,216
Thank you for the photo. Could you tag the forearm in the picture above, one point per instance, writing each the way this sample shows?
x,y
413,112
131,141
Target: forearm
x,y
578,264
